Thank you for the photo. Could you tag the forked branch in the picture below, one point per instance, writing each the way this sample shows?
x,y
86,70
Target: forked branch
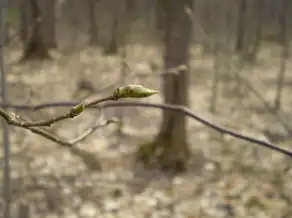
x,y
176,108
129,91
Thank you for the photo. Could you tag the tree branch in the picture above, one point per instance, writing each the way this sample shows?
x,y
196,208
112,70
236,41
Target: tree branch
x,y
128,91
69,143
76,110
190,114
176,108
91,130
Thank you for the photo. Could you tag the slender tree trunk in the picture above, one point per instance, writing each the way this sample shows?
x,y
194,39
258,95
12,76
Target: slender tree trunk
x,y
170,147
25,19
49,23
285,52
35,46
220,44
215,79
93,35
259,4
160,15
239,46
112,48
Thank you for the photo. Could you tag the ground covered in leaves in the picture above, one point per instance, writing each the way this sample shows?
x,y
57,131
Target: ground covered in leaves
x,y
226,177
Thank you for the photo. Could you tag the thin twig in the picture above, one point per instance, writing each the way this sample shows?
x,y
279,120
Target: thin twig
x,y
69,143
34,126
49,136
190,114
176,108
91,130
128,91
13,120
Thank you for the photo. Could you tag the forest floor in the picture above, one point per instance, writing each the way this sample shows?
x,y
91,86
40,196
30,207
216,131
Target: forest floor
x,y
226,177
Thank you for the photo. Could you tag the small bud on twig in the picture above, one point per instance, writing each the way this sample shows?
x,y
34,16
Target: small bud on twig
x,y
133,91
76,110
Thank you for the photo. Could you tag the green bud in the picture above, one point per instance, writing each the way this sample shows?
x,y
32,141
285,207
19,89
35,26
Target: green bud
x,y
133,91
76,110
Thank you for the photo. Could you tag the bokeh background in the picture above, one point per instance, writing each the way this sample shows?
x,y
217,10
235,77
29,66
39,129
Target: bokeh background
x,y
238,77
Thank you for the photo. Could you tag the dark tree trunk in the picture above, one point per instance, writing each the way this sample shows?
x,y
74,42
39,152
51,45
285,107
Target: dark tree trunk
x,y
259,4
112,48
25,19
49,23
93,36
34,46
239,46
160,15
170,148
283,22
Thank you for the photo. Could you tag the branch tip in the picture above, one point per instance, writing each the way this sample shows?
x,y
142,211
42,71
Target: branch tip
x,y
133,91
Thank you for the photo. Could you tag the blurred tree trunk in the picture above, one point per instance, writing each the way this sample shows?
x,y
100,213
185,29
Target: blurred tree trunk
x,y
112,48
283,22
122,12
25,19
49,22
93,33
170,148
258,16
34,45
160,15
239,45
